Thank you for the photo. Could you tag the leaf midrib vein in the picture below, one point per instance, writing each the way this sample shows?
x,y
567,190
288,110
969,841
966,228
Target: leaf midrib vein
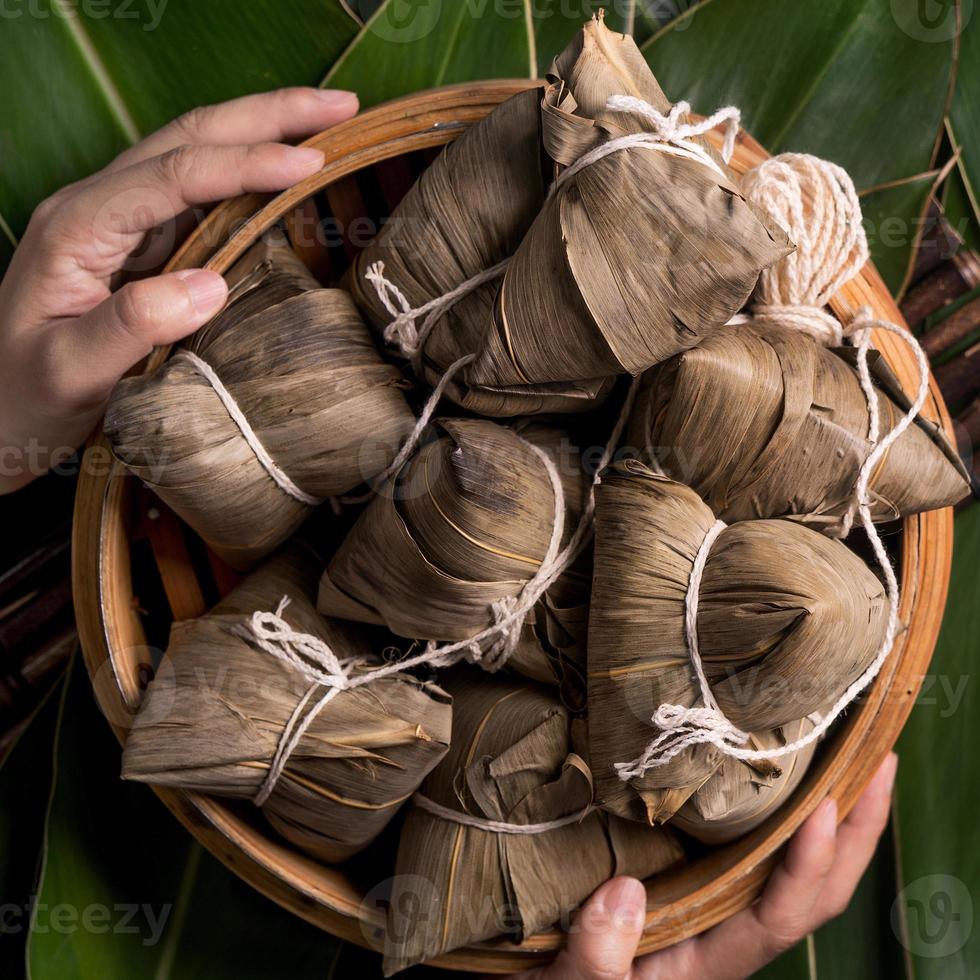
x,y
72,20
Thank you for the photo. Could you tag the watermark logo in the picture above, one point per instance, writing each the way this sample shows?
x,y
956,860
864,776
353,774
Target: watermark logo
x,y
931,21
938,911
414,898
156,709
404,21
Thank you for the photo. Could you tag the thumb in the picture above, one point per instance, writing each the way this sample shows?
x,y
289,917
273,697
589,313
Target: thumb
x,y
100,346
603,940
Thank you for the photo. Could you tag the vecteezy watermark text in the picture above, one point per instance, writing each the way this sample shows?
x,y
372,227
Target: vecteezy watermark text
x,y
65,919
148,13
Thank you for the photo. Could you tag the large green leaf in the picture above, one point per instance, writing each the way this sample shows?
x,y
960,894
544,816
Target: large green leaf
x,y
81,81
893,219
965,110
61,119
650,15
208,52
125,892
25,779
938,794
409,45
8,242
850,80
960,191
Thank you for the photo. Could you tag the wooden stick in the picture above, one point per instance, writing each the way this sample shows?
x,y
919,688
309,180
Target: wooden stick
x,y
940,241
950,280
959,378
952,331
49,603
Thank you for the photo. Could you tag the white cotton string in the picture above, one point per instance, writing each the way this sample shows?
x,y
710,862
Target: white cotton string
x,y
424,418
683,727
817,205
313,659
669,135
490,648
279,475
498,826
402,331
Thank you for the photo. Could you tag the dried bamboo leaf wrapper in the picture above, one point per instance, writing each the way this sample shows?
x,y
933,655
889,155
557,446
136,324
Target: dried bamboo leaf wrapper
x,y
512,759
305,373
468,524
764,422
552,648
467,212
787,619
214,716
739,796
573,309
702,244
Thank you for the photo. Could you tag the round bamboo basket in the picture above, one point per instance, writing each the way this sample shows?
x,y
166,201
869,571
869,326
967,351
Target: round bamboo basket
x,y
122,536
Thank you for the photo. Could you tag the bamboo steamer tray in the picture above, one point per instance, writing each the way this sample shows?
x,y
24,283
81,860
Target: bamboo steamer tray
x,y
122,535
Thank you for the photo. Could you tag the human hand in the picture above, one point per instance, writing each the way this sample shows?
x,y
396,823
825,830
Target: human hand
x,y
66,333
814,883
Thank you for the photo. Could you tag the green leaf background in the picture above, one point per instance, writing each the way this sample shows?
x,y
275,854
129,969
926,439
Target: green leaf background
x,y
867,83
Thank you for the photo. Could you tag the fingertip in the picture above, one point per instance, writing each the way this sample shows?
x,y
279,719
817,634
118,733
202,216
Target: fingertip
x,y
271,167
604,938
812,848
624,901
887,771
306,159
207,290
825,818
340,100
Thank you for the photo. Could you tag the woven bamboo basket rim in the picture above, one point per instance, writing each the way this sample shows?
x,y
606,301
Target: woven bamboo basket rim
x,y
681,903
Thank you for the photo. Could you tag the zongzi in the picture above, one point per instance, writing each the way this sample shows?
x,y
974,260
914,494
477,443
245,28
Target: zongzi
x,y
632,258
739,795
299,368
514,761
466,524
763,421
216,714
786,619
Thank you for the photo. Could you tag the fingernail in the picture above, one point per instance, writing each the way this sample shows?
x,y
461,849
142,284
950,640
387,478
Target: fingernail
x,y
827,815
307,156
889,769
625,902
337,97
207,289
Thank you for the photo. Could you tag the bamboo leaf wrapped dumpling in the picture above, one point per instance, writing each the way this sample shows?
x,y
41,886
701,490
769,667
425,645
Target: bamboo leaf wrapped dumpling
x,y
301,367
214,717
513,759
467,212
786,619
764,422
630,260
739,795
646,251
467,524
